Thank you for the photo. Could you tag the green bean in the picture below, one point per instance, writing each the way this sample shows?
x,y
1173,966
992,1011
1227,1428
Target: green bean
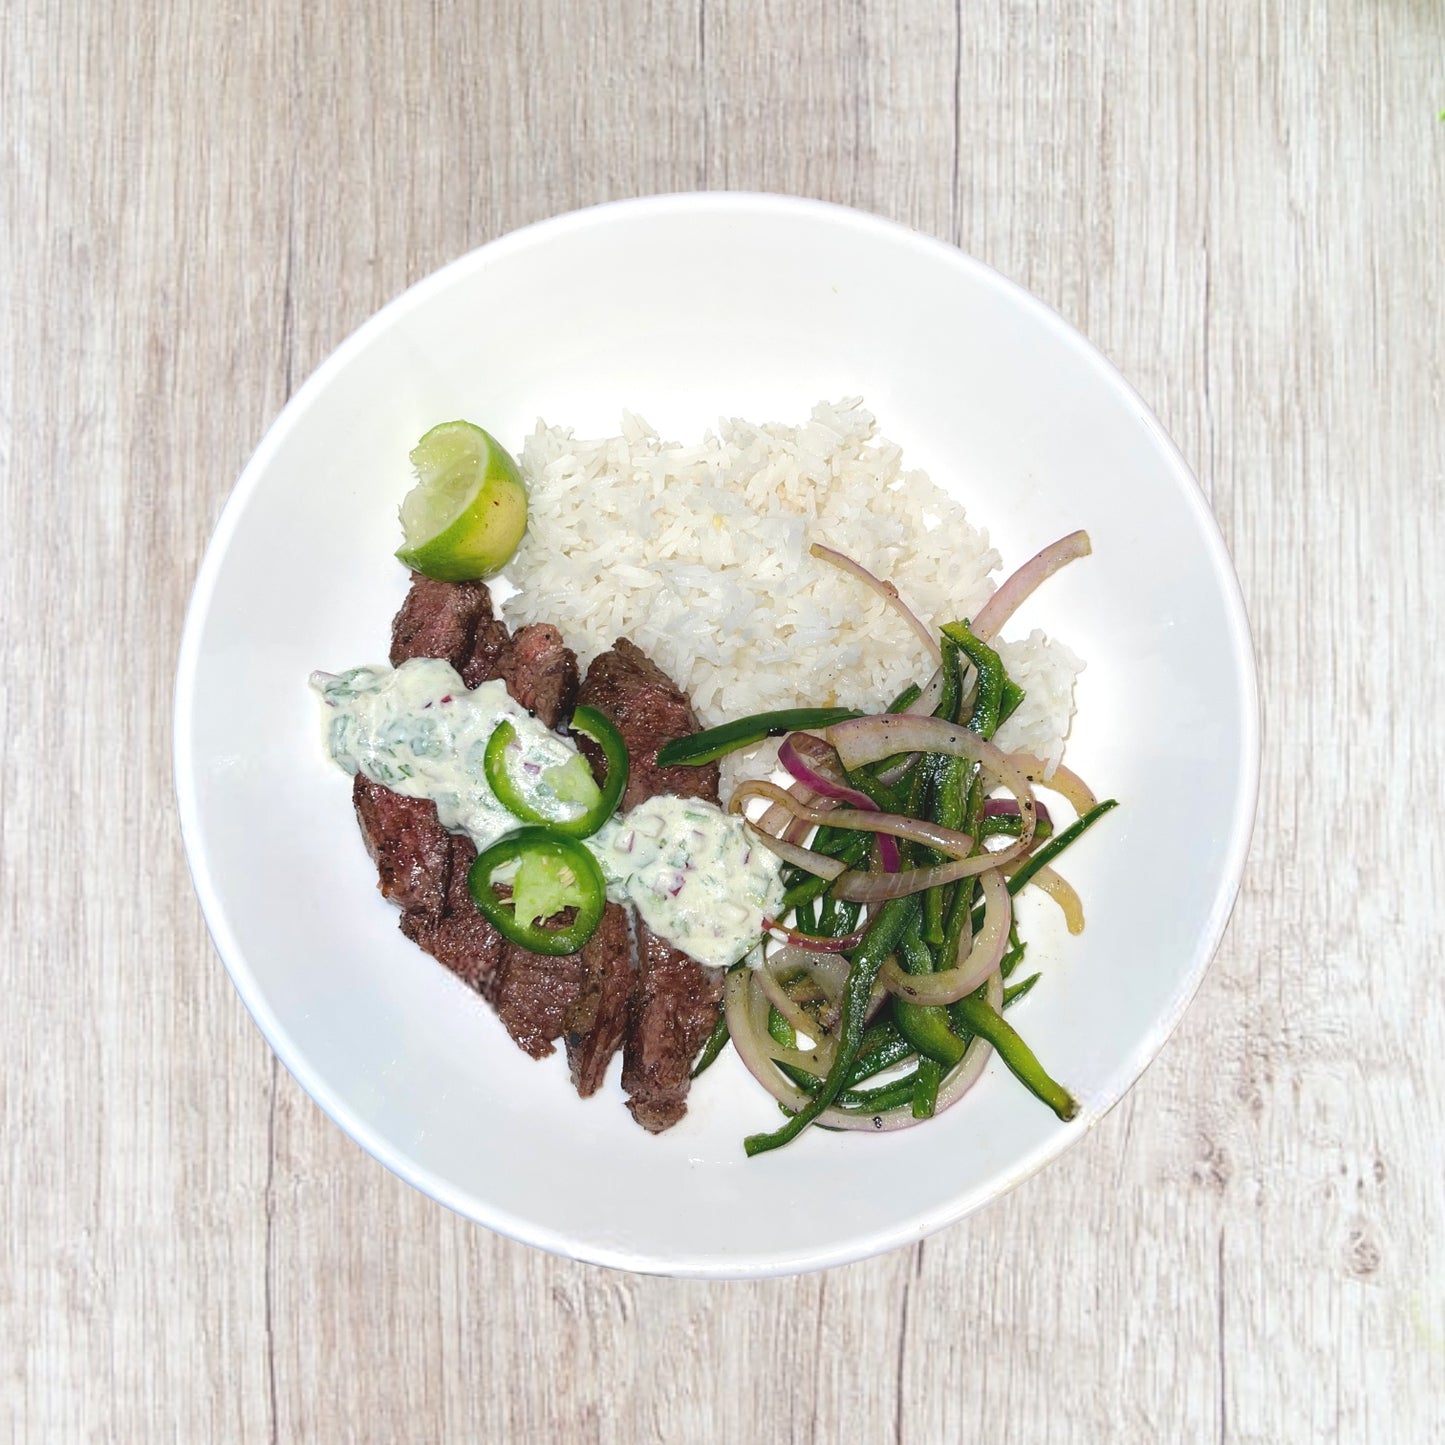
x,y
991,678
925,1091
1011,825
884,1096
1019,990
1013,695
952,695
906,698
888,926
924,1026
1059,842
982,1020
780,1030
717,1041
806,917
713,743
1013,955
874,1061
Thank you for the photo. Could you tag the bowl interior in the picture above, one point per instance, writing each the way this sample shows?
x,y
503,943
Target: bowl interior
x,y
685,309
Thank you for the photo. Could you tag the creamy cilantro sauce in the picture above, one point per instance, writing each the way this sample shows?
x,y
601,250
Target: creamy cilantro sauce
x,y
690,869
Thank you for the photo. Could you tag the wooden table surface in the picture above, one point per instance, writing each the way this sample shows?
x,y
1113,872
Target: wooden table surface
x,y
1243,205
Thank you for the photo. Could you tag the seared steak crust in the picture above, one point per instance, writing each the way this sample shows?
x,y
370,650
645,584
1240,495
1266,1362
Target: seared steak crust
x,y
532,995
459,937
490,654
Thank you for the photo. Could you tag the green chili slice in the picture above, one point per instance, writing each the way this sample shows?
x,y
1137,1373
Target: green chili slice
x,y
991,678
1015,992
595,812
924,1026
981,1019
713,743
554,872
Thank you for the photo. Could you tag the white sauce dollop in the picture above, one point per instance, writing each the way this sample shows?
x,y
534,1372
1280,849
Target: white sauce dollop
x,y
691,870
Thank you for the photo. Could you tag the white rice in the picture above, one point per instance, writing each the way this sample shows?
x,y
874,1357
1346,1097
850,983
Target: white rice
x,y
699,554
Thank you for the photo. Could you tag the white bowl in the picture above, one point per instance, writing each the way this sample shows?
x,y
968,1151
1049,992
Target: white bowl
x,y
686,308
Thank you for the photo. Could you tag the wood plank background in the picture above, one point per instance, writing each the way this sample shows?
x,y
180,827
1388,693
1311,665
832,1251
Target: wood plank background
x,y
1242,204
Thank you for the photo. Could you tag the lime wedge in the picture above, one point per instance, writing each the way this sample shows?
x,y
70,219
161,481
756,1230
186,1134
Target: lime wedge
x,y
468,510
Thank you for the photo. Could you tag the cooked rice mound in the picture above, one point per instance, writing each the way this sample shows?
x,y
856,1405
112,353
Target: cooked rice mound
x,y
700,555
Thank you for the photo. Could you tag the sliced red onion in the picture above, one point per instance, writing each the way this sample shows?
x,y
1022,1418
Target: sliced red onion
x,y
817,864
886,590
928,699
1061,780
742,1019
809,772
917,830
827,969
812,942
779,822
1011,596
867,739
796,1015
807,757
1009,808
974,966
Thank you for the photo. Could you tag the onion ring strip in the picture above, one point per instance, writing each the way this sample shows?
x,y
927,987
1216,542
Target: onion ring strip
x,y
1062,892
886,590
1018,588
1063,781
738,1004
818,864
945,840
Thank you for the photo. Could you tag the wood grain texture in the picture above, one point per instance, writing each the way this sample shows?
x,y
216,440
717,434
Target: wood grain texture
x,y
1240,204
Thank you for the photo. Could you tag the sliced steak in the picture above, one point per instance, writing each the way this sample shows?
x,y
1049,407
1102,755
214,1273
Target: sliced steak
x,y
490,656
541,672
675,1001
439,619
649,710
459,937
411,849
674,1007
533,995
597,1020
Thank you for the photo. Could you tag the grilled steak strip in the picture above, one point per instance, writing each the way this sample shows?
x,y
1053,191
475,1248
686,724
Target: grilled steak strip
x,y
674,1007
541,672
490,654
597,1019
649,709
409,846
675,1001
439,619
